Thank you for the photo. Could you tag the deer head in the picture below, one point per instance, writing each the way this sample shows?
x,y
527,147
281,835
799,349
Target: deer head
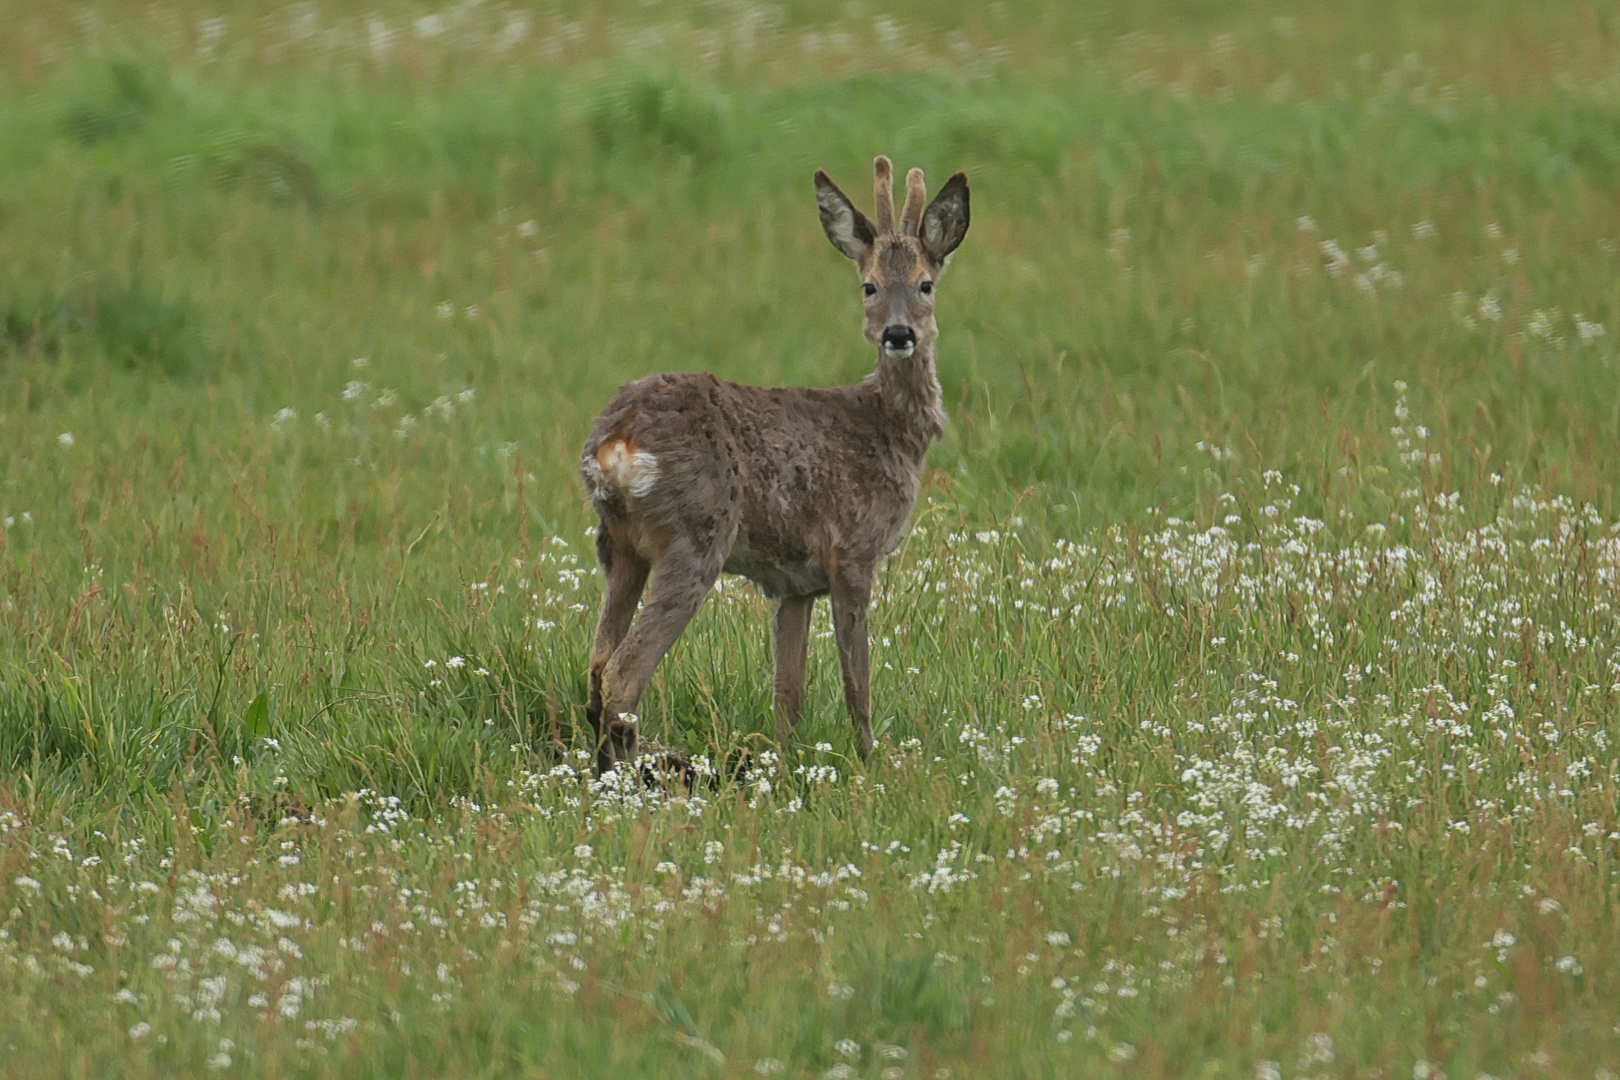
x,y
899,264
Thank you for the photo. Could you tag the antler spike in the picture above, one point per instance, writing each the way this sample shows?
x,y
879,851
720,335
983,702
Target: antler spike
x,y
916,198
883,193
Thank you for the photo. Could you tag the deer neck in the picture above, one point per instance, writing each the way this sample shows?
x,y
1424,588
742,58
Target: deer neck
x,y
910,392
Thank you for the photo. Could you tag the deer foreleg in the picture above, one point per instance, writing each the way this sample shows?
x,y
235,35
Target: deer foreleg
x,y
851,596
790,643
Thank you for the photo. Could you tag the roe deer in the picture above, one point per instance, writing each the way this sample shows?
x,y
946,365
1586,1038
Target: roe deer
x,y
804,491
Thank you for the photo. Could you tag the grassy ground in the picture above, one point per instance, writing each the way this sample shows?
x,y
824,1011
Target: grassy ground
x,y
1246,690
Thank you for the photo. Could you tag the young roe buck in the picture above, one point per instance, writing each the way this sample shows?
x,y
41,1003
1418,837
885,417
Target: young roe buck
x,y
804,491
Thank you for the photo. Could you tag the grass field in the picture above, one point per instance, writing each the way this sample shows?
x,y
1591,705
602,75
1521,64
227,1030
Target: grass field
x,y
1246,691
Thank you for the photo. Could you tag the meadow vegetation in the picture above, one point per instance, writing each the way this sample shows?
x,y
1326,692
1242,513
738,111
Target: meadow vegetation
x,y
1245,693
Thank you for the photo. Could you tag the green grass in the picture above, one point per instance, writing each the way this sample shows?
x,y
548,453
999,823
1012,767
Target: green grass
x,y
1246,690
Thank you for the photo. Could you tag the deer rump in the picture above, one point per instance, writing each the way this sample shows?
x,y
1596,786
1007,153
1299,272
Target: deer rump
x,y
780,484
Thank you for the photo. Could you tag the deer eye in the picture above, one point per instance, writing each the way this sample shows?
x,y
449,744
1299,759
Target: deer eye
x,y
926,287
869,289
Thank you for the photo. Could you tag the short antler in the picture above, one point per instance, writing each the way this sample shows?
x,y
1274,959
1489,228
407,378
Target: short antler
x,y
916,197
883,194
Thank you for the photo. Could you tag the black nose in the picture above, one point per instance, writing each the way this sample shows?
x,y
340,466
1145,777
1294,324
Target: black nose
x,y
899,337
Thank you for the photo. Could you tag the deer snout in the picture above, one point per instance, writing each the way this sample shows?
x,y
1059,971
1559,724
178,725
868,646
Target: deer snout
x,y
899,338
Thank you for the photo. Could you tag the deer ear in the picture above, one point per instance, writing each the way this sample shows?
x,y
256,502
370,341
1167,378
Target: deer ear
x,y
847,228
945,222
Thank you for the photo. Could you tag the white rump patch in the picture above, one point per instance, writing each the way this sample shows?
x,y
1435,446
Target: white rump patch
x,y
632,472
595,481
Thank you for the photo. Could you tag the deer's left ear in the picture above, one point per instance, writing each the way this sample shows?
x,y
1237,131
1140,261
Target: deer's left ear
x,y
945,222
847,228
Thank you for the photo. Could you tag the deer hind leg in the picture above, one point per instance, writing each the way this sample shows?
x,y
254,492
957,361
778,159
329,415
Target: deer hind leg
x,y
790,642
625,574
851,596
678,588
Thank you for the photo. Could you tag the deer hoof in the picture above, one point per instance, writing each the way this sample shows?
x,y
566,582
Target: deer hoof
x,y
616,741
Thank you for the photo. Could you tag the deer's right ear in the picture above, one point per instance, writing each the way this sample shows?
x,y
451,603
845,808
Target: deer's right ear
x,y
847,228
945,221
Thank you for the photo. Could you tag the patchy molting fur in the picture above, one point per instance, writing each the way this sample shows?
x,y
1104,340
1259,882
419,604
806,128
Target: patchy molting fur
x,y
802,490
